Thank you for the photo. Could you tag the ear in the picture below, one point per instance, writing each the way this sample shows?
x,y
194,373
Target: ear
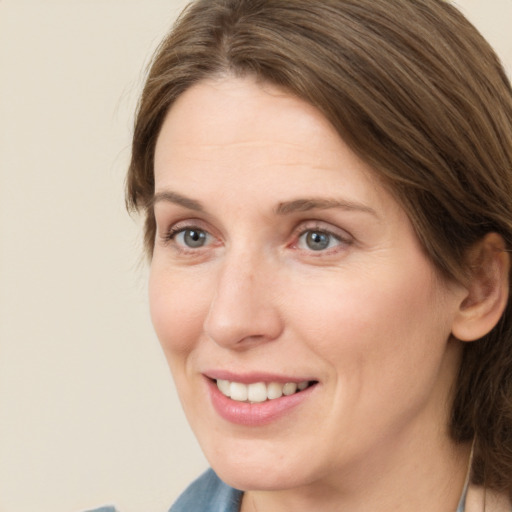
x,y
487,289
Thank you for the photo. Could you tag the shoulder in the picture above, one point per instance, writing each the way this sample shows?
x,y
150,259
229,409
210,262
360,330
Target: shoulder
x,y
208,494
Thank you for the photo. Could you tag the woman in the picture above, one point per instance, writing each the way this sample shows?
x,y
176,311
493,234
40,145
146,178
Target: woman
x,y
328,196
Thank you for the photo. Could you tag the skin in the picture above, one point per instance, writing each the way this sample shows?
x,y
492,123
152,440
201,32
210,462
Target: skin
x,y
368,318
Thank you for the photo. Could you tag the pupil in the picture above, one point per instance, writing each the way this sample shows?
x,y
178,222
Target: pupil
x,y
317,241
194,238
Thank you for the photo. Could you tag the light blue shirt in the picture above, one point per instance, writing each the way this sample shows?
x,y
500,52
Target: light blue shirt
x,y
208,494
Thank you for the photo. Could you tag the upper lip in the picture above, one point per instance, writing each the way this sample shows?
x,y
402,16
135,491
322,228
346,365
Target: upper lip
x,y
252,377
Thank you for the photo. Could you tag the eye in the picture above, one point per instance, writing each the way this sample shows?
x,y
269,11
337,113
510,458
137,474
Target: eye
x,y
317,240
191,238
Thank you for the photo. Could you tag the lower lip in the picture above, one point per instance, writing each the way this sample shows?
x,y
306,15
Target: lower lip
x,y
257,414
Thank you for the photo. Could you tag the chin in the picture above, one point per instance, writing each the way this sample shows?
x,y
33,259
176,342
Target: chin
x,y
265,469
258,478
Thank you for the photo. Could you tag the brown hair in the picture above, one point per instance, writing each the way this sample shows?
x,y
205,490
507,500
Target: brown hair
x,y
417,93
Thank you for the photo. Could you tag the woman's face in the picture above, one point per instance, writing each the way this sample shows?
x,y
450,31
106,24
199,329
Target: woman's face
x,y
280,262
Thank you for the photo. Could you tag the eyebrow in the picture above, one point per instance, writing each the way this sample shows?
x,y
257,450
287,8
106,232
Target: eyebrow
x,y
304,205
283,208
174,197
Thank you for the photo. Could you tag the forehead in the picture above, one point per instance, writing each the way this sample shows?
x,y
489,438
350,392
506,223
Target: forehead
x,y
242,111
236,132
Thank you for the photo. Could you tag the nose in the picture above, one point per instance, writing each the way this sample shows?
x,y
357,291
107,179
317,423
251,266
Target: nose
x,y
244,310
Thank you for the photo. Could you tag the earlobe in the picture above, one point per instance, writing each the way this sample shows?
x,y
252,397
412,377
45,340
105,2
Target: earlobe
x,y
487,289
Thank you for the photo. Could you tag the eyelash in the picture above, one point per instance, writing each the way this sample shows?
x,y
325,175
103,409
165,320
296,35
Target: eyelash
x,y
342,240
177,229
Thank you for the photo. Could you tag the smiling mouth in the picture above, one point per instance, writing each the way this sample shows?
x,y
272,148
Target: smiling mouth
x,y
259,392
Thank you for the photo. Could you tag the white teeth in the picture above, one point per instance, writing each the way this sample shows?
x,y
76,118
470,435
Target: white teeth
x,y
289,388
223,385
238,391
259,391
274,390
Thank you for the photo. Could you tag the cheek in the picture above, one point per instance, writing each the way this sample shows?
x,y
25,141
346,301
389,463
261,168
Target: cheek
x,y
384,341
178,308
375,321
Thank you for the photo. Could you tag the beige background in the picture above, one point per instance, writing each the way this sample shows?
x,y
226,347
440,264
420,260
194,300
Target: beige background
x,y
88,414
